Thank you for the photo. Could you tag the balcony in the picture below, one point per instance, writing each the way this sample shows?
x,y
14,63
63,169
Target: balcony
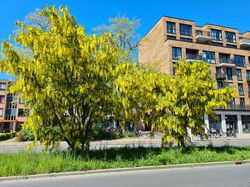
x,y
227,62
219,76
203,37
244,43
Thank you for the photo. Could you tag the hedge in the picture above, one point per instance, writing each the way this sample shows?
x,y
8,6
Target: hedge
x,y
6,136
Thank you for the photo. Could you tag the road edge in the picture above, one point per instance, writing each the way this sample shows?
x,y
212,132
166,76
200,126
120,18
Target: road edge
x,y
87,172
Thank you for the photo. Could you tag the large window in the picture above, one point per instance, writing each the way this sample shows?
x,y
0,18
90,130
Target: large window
x,y
171,27
238,73
2,86
185,30
232,103
219,84
239,60
21,112
242,103
176,53
230,37
208,56
248,75
216,34
240,89
229,74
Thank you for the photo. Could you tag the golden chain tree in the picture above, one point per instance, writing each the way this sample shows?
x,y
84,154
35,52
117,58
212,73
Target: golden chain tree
x,y
68,81
186,98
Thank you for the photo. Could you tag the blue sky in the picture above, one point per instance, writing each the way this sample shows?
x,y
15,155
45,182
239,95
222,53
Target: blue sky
x,y
92,13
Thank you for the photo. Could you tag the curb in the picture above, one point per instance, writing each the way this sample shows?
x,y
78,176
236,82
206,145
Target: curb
x,y
76,173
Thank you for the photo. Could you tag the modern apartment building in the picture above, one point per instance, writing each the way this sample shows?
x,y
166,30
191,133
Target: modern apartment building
x,y
224,48
12,114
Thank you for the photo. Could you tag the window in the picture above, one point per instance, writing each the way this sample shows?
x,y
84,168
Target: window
x,y
239,60
21,112
1,112
171,37
2,86
229,74
171,27
219,84
186,39
231,46
232,103
240,89
230,37
242,103
208,56
216,34
248,75
238,73
248,89
11,105
2,99
198,33
224,58
176,53
185,30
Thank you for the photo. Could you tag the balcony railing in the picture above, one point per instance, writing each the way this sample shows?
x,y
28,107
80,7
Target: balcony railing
x,y
227,62
203,37
235,107
244,43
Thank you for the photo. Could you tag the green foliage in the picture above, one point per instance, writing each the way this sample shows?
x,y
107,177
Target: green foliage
x,y
44,162
68,82
25,135
124,30
101,133
6,136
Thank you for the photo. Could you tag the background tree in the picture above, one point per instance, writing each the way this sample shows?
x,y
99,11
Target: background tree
x,y
124,30
68,82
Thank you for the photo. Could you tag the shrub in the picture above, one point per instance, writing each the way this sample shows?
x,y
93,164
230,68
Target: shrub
x,y
7,136
100,132
25,135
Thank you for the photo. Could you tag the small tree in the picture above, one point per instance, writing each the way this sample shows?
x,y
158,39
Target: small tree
x,y
186,98
68,81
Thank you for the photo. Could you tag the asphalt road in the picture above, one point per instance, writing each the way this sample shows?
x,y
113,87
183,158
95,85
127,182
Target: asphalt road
x,y
215,176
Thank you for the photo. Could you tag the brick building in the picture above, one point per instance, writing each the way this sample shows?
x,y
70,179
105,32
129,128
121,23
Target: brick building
x,y
12,114
224,48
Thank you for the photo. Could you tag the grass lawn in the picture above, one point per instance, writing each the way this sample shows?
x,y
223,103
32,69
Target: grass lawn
x,y
48,162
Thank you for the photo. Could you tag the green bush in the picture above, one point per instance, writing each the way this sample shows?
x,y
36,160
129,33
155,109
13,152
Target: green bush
x,y
25,135
100,133
7,136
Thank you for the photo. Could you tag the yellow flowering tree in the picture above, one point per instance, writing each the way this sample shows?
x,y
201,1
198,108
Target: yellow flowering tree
x,y
67,82
186,98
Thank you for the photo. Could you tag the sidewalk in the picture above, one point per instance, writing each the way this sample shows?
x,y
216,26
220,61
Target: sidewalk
x,y
118,142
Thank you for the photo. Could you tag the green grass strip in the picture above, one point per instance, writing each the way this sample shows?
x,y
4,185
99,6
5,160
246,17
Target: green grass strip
x,y
27,163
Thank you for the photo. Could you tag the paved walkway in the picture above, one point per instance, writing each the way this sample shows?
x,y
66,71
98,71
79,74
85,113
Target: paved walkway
x,y
11,146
